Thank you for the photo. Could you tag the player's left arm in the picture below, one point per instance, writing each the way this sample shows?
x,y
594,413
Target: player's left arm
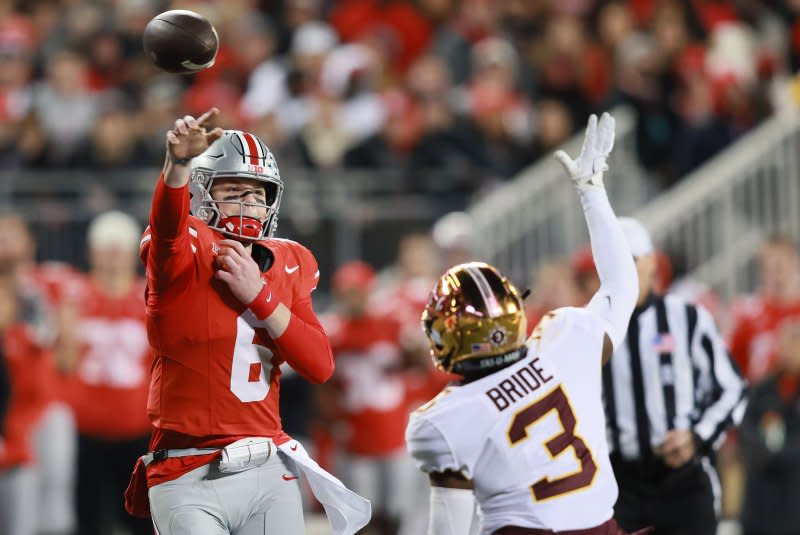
x,y
296,331
616,298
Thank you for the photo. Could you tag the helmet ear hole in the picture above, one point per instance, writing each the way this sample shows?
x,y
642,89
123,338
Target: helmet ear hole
x,y
271,193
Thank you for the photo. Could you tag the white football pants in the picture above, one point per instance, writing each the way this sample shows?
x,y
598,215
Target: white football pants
x,y
264,500
18,503
56,464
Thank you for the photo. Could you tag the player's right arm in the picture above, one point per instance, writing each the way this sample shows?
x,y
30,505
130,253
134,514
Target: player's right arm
x,y
453,510
619,287
169,249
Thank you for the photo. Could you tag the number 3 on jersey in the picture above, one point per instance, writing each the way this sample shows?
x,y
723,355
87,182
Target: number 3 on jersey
x,y
252,364
518,432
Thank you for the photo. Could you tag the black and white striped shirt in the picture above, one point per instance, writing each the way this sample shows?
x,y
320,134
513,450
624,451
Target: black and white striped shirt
x,y
672,372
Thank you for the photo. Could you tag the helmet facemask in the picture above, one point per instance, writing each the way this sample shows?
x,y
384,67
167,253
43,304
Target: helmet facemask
x,y
227,158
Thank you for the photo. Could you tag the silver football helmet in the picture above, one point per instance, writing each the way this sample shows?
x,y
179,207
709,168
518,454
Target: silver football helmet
x,y
236,154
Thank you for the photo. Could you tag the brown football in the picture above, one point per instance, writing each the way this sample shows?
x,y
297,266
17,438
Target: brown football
x,y
180,41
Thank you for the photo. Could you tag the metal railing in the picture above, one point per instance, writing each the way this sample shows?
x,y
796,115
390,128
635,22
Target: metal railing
x,y
538,216
715,219
711,223
339,215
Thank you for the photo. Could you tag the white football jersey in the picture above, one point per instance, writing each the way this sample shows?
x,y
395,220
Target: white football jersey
x,y
532,436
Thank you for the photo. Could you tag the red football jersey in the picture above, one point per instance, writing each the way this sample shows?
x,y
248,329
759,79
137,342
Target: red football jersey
x,y
53,283
108,390
753,339
369,368
216,371
57,281
405,300
27,362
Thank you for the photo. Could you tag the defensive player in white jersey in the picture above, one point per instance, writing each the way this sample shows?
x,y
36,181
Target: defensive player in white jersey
x,y
524,433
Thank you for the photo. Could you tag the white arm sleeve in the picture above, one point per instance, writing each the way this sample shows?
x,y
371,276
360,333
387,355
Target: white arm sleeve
x,y
619,283
453,512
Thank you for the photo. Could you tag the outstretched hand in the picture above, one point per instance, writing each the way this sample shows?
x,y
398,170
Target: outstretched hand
x,y
190,136
587,169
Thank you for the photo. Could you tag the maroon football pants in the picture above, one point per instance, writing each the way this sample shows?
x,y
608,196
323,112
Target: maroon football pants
x,y
607,528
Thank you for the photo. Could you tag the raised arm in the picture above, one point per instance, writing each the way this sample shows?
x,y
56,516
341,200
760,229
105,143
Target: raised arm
x,y
167,237
187,140
615,300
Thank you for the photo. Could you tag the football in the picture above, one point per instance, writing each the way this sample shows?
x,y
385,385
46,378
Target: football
x,y
180,41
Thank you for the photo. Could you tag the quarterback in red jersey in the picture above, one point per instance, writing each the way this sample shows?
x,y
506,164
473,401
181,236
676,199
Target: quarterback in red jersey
x,y
226,305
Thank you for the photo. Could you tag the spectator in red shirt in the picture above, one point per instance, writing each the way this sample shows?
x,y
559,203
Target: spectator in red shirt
x,y
758,318
109,358
24,359
42,287
370,399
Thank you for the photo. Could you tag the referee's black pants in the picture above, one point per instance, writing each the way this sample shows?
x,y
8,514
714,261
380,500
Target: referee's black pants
x,y
673,501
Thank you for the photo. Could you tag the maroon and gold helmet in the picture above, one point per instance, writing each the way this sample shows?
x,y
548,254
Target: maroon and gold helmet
x,y
474,320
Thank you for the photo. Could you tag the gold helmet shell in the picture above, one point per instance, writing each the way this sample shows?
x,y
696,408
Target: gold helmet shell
x,y
474,320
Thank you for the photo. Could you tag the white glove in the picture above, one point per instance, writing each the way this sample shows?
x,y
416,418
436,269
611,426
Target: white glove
x,y
587,169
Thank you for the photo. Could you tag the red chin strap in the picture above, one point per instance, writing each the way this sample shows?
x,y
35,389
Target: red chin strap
x,y
246,227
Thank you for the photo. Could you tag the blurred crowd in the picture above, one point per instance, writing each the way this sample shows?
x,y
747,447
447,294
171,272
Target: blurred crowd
x,y
477,88
481,88
75,357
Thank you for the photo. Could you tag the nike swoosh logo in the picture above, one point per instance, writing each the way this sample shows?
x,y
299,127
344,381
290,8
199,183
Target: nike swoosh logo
x,y
269,297
292,269
288,477
293,447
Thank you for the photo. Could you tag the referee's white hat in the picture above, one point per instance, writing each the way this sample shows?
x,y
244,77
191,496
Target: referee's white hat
x,y
638,238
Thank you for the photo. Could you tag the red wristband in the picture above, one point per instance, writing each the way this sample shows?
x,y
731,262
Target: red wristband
x,y
264,304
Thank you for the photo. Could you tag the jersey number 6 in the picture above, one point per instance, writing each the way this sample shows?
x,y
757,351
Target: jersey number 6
x,y
252,364
557,401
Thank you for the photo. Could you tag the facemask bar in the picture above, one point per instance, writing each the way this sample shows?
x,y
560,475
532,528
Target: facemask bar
x,y
205,207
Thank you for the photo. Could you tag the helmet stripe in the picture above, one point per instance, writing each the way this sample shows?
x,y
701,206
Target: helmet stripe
x,y
259,147
252,148
240,137
488,296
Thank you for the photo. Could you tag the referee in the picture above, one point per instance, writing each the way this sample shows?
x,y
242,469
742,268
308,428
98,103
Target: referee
x,y
670,392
